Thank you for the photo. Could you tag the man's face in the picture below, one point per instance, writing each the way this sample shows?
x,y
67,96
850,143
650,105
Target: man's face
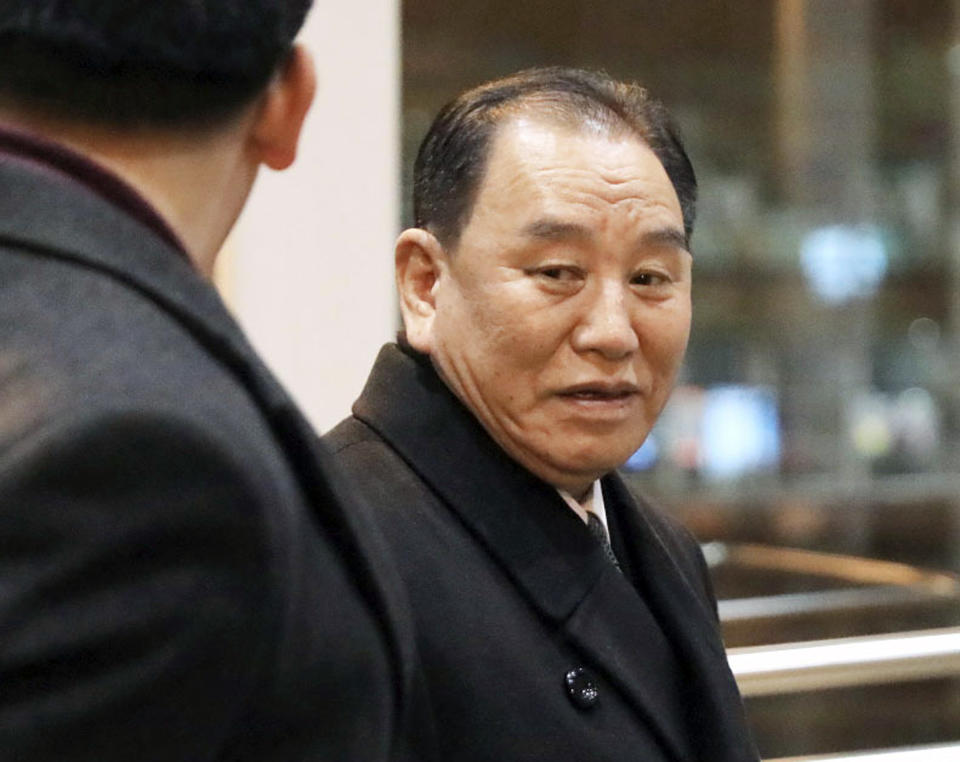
x,y
563,313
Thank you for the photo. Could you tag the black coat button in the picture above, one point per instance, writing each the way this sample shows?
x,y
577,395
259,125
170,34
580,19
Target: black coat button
x,y
581,689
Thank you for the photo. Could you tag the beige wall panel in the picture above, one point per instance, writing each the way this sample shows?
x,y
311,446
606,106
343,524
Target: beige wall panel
x,y
308,269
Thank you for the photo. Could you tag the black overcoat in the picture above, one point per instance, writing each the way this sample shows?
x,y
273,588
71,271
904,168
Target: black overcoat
x,y
179,579
535,647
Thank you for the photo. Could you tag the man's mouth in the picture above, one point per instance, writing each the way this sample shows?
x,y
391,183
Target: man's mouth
x,y
600,392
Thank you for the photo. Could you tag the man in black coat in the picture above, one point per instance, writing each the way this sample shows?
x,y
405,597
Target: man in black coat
x,y
546,300
180,577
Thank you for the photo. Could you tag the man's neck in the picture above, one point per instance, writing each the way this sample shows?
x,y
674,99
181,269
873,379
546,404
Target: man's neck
x,y
197,182
582,496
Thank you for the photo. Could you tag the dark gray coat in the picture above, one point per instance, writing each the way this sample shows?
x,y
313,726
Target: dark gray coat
x,y
179,579
511,593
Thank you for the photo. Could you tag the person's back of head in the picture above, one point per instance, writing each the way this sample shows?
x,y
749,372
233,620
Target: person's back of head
x,y
182,99
142,63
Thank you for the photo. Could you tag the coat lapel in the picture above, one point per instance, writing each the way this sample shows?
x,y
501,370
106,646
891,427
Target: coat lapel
x,y
545,549
521,521
615,627
718,731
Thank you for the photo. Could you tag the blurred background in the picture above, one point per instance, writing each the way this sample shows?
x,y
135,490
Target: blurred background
x,y
812,443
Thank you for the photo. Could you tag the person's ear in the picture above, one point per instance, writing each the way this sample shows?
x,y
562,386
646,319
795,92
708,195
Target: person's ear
x,y
421,263
283,109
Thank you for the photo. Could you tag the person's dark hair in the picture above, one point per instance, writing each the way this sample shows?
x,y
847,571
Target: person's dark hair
x,y
452,158
142,62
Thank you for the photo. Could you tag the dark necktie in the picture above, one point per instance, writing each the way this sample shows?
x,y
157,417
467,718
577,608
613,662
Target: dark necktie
x,y
600,534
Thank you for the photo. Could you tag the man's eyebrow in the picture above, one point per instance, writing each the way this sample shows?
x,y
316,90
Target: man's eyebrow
x,y
550,229
665,237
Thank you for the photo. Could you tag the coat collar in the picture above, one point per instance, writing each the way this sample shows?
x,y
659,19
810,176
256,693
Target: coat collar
x,y
65,164
521,520
62,219
551,557
54,214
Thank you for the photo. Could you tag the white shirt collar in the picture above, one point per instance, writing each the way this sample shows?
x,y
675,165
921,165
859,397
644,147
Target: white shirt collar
x,y
592,503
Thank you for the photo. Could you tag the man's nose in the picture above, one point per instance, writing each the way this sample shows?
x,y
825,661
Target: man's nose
x,y
605,326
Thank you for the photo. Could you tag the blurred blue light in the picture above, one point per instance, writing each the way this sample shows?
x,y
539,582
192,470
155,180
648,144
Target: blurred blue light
x,y
843,262
644,458
740,431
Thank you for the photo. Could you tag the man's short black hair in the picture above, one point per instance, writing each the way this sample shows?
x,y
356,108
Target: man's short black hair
x,y
452,158
142,62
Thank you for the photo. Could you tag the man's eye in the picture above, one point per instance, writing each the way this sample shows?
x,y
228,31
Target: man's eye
x,y
649,279
557,273
554,273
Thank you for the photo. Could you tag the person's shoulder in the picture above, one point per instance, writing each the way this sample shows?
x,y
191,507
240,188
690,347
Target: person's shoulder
x,y
349,433
107,394
141,467
78,340
367,458
400,500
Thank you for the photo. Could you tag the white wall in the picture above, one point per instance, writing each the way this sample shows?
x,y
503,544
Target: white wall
x,y
309,268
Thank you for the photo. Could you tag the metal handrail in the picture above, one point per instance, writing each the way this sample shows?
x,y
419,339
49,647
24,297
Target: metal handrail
x,y
853,569
844,662
871,583
938,753
822,602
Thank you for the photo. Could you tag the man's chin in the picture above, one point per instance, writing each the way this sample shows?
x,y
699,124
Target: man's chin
x,y
585,468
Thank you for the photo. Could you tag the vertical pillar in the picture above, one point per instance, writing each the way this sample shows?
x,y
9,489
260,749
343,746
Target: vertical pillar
x,y
826,107
309,268
792,119
826,125
952,214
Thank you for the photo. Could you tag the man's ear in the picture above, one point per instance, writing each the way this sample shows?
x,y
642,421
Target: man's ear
x,y
420,263
283,109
